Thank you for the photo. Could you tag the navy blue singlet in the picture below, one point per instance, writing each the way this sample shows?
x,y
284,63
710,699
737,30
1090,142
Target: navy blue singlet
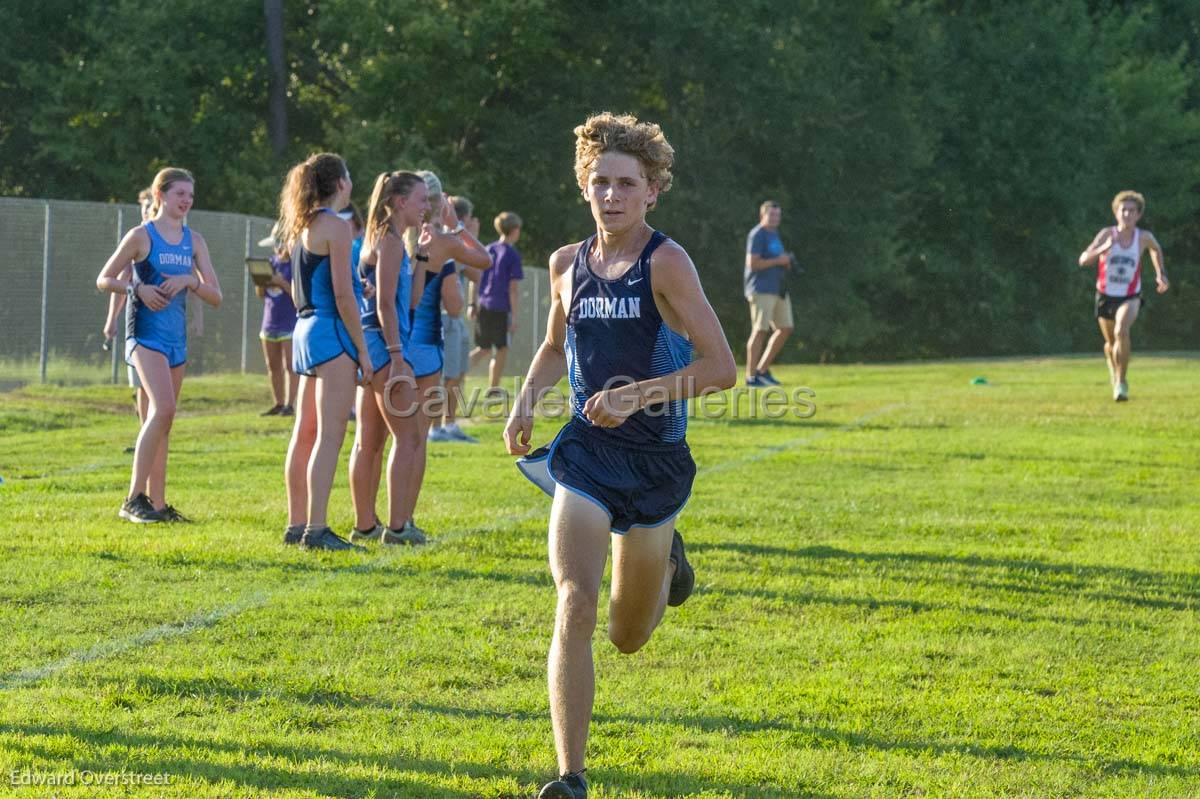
x,y
615,335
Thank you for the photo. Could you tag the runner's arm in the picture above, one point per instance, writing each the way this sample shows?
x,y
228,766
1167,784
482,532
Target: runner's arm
x,y
1156,258
1099,245
549,364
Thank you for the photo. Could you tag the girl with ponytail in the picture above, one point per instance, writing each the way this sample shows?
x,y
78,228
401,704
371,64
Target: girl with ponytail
x,y
155,266
327,344
399,202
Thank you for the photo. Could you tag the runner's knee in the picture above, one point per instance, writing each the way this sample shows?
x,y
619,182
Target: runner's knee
x,y
576,610
626,637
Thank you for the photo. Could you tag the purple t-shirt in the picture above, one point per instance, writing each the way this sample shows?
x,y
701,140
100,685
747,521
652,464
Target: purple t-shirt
x,y
506,267
279,312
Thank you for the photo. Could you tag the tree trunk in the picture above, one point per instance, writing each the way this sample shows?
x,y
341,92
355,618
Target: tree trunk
x,y
277,78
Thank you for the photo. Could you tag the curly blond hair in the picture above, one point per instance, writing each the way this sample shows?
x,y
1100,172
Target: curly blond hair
x,y
1131,196
645,141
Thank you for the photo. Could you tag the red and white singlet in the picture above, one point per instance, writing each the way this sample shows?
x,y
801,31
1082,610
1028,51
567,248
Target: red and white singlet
x,y
1120,270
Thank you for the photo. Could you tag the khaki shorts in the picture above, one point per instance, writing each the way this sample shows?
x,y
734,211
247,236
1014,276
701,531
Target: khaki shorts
x,y
770,311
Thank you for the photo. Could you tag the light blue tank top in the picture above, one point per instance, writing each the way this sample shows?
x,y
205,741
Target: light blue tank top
x,y
169,325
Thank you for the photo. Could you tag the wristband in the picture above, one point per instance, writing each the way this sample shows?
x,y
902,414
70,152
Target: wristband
x,y
396,348
423,258
131,291
459,228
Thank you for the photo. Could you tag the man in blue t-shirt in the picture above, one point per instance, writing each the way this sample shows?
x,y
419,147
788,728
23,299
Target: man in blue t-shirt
x,y
767,264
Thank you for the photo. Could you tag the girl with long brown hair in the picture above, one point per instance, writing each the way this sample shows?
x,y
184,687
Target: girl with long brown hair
x,y
327,344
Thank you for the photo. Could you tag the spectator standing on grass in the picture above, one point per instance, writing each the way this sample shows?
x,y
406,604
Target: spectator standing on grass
x,y
165,260
767,265
398,202
456,340
328,342
449,243
279,320
494,309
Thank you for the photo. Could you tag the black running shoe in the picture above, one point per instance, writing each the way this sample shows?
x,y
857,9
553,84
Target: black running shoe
x,y
278,409
685,578
568,786
140,511
170,514
130,450
325,538
287,410
293,534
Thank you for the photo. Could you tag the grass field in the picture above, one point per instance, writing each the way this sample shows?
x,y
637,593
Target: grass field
x,y
928,589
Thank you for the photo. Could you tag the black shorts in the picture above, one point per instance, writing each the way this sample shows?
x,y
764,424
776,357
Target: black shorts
x,y
491,328
1106,306
636,485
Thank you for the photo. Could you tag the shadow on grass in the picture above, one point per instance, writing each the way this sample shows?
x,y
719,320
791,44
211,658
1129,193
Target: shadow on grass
x,y
1175,590
322,768
833,738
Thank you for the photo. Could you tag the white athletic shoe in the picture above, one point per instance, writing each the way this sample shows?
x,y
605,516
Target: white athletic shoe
x,y
1121,391
439,434
455,433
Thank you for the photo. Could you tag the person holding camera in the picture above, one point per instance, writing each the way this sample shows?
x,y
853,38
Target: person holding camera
x,y
767,264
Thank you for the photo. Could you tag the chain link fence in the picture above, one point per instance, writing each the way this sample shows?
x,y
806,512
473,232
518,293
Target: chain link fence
x,y
52,319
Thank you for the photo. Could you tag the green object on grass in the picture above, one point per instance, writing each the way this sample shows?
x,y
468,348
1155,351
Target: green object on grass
x,y
979,381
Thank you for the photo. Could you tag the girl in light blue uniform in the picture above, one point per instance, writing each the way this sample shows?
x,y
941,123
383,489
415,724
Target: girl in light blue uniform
x,y
166,260
327,344
441,243
398,201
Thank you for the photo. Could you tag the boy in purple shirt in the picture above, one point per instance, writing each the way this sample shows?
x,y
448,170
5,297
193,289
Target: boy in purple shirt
x,y
495,321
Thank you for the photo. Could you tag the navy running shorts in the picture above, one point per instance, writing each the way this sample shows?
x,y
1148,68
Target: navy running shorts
x,y
637,485
1106,306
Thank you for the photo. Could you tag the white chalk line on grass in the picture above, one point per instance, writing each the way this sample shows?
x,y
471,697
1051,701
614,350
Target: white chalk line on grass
x,y
200,621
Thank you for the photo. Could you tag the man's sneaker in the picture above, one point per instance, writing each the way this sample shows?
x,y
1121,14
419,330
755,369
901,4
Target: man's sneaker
x,y
768,378
293,534
685,577
409,534
367,535
568,786
455,433
438,434
287,410
275,411
170,514
140,511
1121,391
325,538
756,382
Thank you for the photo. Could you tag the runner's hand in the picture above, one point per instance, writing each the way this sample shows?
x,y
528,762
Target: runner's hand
x,y
1163,284
611,408
518,433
